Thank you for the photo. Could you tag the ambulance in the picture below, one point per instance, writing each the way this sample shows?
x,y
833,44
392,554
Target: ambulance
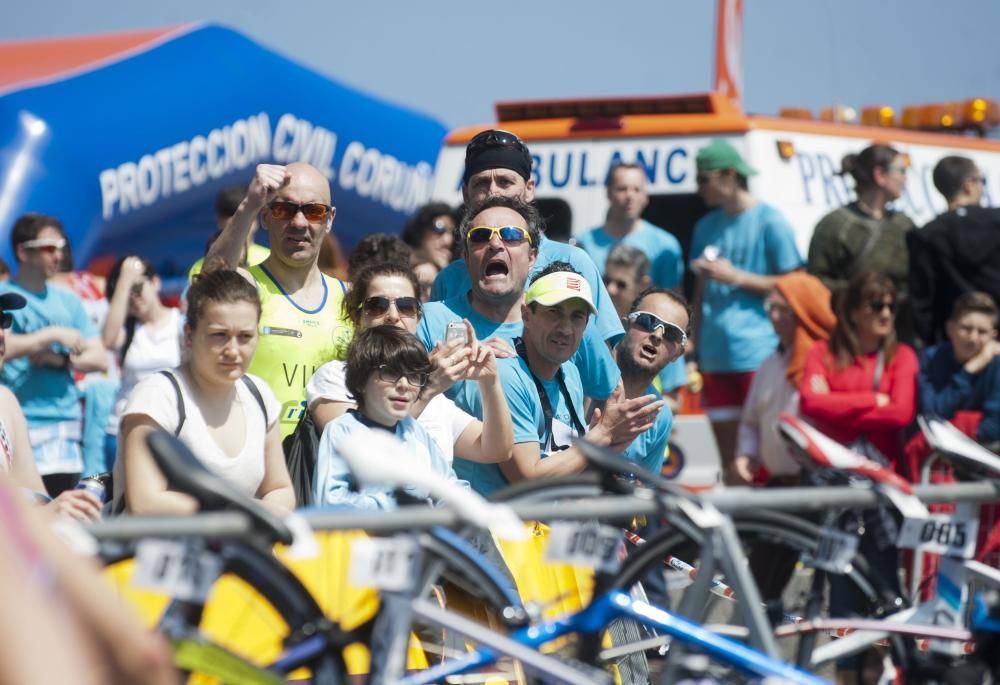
x,y
574,143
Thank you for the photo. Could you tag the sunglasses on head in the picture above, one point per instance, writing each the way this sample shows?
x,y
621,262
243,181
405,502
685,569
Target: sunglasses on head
x,y
511,235
494,138
6,320
378,305
648,322
877,306
46,245
314,212
417,379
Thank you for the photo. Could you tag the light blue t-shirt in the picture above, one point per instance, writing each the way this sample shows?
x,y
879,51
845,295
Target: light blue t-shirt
x,y
454,280
333,482
598,371
526,417
666,261
735,332
649,448
46,394
674,375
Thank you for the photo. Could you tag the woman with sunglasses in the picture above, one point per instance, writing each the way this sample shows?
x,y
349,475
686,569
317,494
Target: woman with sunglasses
x,y
385,294
144,333
385,371
860,389
228,418
867,234
431,233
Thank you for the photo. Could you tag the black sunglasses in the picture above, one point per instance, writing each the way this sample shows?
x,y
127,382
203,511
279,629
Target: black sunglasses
x,y
494,138
417,379
647,322
378,305
876,307
6,320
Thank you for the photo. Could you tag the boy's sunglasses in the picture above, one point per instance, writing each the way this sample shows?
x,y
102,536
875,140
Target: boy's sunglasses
x,y
378,305
314,212
511,235
417,379
645,321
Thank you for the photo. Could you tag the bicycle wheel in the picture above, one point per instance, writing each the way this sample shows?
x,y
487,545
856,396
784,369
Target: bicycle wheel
x,y
456,575
566,589
793,591
254,610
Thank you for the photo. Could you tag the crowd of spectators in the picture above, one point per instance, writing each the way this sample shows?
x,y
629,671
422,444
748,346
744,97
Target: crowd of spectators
x,y
528,341
486,346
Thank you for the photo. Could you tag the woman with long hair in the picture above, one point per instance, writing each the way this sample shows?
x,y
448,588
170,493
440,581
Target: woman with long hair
x,y
229,419
859,388
145,334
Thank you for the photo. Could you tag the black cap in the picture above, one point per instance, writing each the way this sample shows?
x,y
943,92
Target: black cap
x,y
9,301
496,149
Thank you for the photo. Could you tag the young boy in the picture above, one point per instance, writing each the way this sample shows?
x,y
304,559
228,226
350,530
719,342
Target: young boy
x,y
386,369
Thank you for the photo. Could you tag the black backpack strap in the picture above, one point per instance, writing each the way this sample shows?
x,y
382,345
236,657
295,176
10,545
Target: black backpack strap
x,y
181,414
252,387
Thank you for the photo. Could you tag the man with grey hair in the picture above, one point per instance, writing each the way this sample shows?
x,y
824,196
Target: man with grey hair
x,y
626,274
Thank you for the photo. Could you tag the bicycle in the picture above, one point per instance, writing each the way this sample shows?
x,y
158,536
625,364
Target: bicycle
x,y
593,619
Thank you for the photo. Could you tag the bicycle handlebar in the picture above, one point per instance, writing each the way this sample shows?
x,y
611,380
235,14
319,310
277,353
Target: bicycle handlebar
x,y
375,457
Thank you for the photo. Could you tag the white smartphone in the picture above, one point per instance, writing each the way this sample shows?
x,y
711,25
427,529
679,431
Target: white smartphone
x,y
456,331
711,253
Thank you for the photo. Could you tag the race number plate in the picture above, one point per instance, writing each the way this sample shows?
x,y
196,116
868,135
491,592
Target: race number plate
x,y
834,551
178,569
585,544
947,534
384,563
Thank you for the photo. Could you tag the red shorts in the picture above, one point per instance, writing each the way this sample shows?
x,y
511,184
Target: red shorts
x,y
724,393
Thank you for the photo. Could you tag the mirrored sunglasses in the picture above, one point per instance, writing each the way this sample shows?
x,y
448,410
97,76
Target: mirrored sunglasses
x,y
647,322
314,212
511,235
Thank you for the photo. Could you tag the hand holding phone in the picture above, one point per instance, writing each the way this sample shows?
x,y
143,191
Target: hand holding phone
x,y
456,331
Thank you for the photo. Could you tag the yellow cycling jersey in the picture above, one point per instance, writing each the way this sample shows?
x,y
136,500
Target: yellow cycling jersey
x,y
294,341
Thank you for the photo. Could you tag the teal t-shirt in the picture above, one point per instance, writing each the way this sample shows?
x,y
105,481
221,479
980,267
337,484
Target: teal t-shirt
x,y
47,395
598,371
526,416
666,261
736,334
649,448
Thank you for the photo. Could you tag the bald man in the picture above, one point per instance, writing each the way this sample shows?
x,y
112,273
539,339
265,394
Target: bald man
x,y
301,323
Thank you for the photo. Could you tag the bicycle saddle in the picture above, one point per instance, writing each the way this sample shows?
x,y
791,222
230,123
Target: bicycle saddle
x,y
956,446
185,473
611,464
826,452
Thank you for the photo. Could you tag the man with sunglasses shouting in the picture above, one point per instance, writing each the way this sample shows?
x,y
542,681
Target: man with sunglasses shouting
x,y
499,244
498,163
301,324
50,338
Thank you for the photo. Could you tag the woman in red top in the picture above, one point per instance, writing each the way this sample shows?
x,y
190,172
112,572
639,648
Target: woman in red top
x,y
839,390
862,382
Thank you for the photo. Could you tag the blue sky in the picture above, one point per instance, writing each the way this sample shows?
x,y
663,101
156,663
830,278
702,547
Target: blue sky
x,y
453,59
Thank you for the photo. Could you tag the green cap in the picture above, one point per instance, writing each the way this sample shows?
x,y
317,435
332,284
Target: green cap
x,y
721,155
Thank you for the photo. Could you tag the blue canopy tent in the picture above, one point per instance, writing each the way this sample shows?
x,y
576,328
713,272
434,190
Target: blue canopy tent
x,y
128,137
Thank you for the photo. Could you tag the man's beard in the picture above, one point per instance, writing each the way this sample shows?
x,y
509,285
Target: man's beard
x,y
632,368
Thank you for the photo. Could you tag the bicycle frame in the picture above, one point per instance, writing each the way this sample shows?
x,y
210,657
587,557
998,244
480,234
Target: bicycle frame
x,y
594,618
